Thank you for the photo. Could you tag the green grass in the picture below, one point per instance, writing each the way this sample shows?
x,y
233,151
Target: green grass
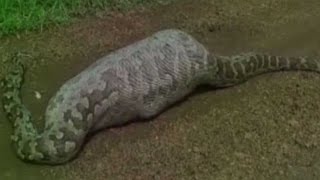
x,y
21,15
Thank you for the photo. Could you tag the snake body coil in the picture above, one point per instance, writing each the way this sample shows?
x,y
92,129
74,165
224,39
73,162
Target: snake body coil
x,y
137,81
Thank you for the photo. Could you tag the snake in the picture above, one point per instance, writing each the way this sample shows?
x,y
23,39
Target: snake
x,y
137,81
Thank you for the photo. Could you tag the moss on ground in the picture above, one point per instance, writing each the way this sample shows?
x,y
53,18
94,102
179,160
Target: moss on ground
x,y
26,15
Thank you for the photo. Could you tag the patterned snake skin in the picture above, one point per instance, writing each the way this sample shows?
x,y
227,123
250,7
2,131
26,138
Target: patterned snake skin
x,y
137,81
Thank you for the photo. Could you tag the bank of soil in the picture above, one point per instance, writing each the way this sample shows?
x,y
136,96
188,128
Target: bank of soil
x,y
265,128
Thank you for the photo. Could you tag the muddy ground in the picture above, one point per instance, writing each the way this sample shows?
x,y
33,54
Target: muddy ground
x,y
265,128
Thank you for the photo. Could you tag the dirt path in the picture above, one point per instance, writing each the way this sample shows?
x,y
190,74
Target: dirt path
x,y
266,128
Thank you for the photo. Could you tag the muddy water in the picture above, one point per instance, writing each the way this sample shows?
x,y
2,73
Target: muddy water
x,y
265,128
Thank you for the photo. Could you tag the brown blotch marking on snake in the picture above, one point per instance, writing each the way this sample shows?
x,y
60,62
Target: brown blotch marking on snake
x,y
295,63
149,75
113,84
229,70
197,67
260,60
273,61
220,65
283,62
312,63
77,122
166,67
245,65
59,139
240,70
212,61
165,63
95,98
254,63
26,148
163,90
67,136
196,56
250,65
152,94
186,73
309,63
83,110
266,62
132,67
